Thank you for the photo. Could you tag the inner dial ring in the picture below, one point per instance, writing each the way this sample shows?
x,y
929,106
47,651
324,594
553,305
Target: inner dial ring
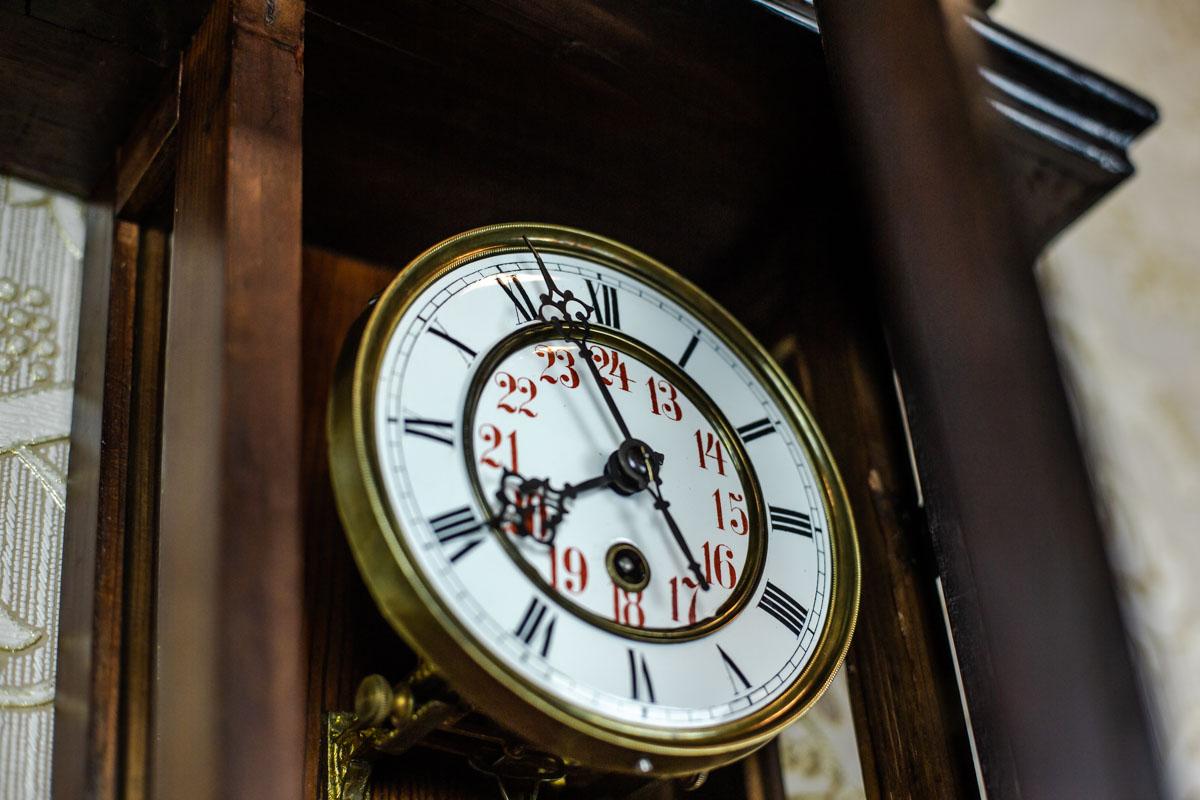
x,y
749,570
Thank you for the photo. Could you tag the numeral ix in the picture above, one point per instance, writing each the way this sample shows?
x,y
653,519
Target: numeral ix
x,y
459,528
433,429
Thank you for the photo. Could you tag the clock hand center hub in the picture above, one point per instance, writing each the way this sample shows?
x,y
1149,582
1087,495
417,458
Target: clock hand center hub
x,y
628,468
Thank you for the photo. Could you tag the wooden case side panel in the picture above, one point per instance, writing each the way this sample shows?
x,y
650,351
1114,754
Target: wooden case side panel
x,y
229,689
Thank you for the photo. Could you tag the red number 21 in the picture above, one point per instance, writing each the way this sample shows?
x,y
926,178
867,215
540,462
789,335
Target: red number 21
x,y
494,438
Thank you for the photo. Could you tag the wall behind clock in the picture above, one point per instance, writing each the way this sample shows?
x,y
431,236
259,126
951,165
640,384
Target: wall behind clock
x,y
1123,289
41,249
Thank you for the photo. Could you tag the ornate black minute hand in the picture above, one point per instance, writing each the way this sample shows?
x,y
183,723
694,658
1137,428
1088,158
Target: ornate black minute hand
x,y
655,489
575,327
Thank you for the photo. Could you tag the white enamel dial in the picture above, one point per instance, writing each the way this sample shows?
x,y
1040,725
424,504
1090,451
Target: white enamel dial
x,y
472,383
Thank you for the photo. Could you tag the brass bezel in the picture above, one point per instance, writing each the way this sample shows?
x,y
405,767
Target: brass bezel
x,y
414,610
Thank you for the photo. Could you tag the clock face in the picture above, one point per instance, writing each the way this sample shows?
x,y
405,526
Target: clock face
x,y
602,490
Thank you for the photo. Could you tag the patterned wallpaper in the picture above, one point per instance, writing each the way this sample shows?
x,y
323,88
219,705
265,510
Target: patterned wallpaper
x,y
41,249
819,753
1123,290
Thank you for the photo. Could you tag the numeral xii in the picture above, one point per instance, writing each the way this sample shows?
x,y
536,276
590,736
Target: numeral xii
x,y
605,304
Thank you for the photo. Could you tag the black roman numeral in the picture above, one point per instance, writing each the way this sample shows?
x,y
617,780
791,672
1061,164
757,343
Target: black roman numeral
x,y
440,332
640,687
687,351
435,429
780,605
732,671
784,519
756,429
605,305
460,528
536,623
526,311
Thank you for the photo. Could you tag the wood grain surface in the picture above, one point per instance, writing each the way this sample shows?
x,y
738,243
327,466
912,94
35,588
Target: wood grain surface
x,y
1056,705
229,692
76,75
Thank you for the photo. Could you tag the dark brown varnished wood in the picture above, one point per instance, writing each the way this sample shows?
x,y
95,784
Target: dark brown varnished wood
x,y
346,637
668,125
699,133
75,76
229,693
145,165
808,300
102,707
141,525
1044,659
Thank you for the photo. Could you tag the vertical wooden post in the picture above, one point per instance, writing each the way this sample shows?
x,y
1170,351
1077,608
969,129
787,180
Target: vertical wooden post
x,y
1044,660
86,704
228,705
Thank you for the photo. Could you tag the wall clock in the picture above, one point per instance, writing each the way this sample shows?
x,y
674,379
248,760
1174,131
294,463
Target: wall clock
x,y
591,503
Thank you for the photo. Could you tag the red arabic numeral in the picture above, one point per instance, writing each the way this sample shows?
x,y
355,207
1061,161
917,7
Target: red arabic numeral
x,y
610,361
668,406
574,569
522,387
738,523
558,355
688,583
718,565
495,438
627,607
708,447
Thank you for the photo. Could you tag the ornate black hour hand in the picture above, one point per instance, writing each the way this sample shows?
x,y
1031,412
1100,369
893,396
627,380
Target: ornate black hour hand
x,y
533,507
529,507
571,318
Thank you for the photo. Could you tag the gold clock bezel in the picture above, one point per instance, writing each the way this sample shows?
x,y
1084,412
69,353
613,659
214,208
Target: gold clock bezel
x,y
416,612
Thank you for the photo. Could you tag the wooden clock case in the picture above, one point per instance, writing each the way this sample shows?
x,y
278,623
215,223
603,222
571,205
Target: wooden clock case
x,y
868,200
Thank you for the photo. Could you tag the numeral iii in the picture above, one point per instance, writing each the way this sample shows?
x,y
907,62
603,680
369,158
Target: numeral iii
x,y
780,605
784,519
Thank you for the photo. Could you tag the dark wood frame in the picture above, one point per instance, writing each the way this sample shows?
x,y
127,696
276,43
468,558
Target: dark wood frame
x,y
197,454
1054,700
